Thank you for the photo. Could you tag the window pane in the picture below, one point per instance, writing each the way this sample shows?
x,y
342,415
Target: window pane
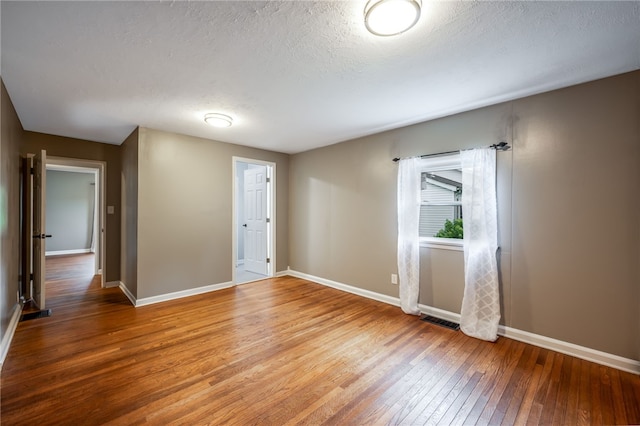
x,y
433,219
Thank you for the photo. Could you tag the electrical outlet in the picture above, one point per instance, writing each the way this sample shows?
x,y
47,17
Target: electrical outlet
x,y
394,279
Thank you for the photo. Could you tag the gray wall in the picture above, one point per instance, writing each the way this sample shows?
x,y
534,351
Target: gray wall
x,y
129,214
184,212
70,210
576,214
569,221
11,134
343,222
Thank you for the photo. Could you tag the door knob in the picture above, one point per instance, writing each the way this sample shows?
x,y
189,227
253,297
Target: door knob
x,y
245,225
41,236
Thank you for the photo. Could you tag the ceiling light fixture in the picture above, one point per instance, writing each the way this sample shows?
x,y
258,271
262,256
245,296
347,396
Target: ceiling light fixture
x,y
391,17
218,120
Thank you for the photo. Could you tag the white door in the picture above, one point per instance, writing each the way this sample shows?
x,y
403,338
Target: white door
x,y
39,232
255,220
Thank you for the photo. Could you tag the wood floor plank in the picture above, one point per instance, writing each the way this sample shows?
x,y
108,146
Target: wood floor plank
x,y
619,411
606,397
631,394
431,395
583,413
513,396
573,397
450,390
493,397
527,400
454,406
564,381
490,369
283,351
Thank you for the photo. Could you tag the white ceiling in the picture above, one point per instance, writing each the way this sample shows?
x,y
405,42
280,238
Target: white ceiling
x,y
295,75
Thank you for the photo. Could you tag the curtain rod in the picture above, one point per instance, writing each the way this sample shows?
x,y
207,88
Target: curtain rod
x,y
501,146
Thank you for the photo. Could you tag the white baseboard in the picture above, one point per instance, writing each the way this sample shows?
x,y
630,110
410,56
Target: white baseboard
x,y
8,336
63,252
348,288
180,294
593,355
281,274
111,284
127,293
588,354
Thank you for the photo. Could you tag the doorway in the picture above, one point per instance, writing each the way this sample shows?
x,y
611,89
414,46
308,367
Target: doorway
x,y
77,209
253,220
86,234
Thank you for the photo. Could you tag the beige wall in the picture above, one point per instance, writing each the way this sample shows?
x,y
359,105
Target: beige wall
x,y
59,146
11,134
185,211
129,213
569,235
575,215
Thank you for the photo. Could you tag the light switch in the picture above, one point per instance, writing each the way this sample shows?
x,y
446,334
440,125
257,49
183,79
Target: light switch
x,y
110,210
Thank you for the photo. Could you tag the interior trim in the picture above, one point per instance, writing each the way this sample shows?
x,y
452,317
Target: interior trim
x,y
172,296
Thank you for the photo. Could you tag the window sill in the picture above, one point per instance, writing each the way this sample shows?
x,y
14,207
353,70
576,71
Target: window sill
x,y
442,243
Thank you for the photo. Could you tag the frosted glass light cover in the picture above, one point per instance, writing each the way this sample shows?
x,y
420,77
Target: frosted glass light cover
x,y
218,120
391,17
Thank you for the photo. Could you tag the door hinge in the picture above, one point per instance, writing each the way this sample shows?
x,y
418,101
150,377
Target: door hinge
x,y
268,220
268,180
30,277
32,171
268,260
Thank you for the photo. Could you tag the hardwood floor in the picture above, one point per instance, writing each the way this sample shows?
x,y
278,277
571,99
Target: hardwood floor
x,y
282,352
69,266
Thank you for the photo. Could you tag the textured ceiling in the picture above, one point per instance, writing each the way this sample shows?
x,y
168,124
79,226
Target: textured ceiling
x,y
295,75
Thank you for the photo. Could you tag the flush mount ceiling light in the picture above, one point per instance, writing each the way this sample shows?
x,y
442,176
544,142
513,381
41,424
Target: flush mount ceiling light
x,y
218,120
391,17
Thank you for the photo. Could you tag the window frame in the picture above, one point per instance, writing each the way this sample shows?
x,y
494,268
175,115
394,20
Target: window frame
x,y
435,164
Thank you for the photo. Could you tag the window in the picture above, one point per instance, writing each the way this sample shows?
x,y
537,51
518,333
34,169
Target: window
x,y
441,195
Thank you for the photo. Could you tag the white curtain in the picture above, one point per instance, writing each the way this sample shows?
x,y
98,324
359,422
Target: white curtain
x,y
481,302
408,238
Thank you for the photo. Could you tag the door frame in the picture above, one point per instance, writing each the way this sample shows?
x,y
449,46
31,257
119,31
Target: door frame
x,y
100,169
271,214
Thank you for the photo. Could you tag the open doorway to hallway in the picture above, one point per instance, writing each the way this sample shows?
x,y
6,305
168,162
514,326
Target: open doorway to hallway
x,y
74,213
74,208
253,220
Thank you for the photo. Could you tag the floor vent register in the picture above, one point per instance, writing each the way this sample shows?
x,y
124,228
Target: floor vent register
x,y
442,323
